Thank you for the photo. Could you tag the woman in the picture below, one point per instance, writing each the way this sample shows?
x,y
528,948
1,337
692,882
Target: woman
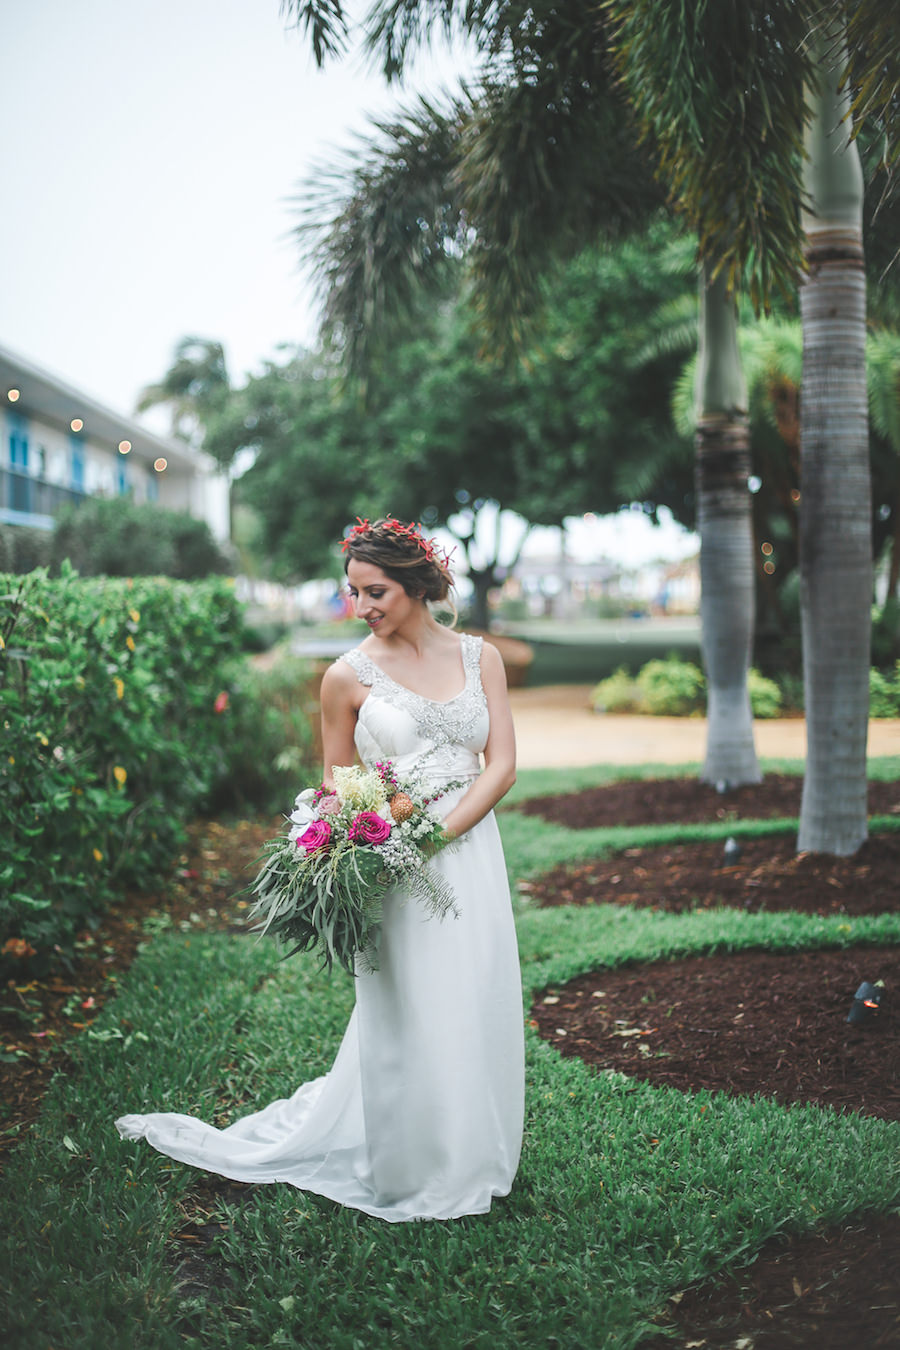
x,y
421,1114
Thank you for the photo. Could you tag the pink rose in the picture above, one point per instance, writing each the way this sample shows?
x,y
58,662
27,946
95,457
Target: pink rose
x,y
369,828
330,805
315,836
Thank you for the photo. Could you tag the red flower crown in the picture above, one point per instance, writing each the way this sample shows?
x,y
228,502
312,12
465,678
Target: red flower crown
x,y
413,532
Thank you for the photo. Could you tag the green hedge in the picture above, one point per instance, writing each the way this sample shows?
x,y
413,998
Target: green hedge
x,y
125,709
674,688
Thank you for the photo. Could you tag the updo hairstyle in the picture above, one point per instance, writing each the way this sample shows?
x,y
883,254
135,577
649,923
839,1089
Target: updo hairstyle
x,y
404,554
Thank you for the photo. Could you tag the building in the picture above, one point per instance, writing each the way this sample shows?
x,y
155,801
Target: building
x,y
58,446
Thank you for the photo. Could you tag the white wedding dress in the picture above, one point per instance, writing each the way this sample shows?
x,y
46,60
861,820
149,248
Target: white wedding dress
x,y
420,1116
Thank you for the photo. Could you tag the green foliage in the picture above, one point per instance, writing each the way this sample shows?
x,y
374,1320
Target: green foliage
x,y
267,739
886,633
671,688
125,708
674,688
884,693
578,424
23,549
117,538
618,693
765,695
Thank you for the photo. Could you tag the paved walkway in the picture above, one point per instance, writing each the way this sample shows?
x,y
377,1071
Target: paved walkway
x,y
555,728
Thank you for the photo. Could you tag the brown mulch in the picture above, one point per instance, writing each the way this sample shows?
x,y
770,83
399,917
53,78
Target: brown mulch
x,y
754,1022
768,874
745,1023
835,1290
659,801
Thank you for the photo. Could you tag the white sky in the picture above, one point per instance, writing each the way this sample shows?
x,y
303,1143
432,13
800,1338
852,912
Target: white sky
x,y
150,152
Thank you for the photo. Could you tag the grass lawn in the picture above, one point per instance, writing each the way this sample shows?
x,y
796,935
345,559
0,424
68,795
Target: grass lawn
x,y
626,1194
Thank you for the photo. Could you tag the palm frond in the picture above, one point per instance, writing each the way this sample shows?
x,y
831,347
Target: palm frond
x,y
883,371
873,70
379,225
325,21
673,331
718,93
548,165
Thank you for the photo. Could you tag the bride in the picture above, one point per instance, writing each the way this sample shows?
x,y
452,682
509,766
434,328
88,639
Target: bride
x,y
420,1116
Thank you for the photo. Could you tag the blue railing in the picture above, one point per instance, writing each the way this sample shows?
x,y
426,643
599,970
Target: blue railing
x,y
25,500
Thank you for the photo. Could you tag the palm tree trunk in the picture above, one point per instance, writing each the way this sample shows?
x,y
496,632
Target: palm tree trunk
x,y
724,521
835,484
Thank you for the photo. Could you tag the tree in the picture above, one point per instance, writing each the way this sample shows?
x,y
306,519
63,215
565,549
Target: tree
x,y
726,539
539,162
193,388
446,435
835,485
719,93
745,114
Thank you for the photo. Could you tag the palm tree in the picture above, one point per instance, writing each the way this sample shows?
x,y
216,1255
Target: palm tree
x,y
532,167
726,539
746,117
835,484
194,386
719,92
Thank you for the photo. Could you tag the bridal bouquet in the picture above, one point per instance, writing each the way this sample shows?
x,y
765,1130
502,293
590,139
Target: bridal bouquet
x,y
322,883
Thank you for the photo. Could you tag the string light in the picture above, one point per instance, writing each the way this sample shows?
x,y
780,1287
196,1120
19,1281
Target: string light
x,y
160,465
124,447
13,395
76,424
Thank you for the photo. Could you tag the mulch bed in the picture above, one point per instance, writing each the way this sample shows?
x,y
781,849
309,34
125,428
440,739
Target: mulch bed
x,y
835,1290
768,874
746,1022
659,801
754,1022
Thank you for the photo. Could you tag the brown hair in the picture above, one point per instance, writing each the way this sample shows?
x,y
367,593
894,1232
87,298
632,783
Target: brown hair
x,y
404,554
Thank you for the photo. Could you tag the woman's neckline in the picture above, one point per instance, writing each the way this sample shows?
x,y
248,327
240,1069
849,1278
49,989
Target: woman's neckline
x,y
438,702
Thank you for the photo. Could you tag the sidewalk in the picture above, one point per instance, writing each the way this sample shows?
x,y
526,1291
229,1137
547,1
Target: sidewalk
x,y
555,728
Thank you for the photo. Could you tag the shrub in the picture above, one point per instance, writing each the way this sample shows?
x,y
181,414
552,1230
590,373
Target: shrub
x,y
22,549
269,743
765,696
792,694
125,709
671,688
618,693
886,633
884,693
117,538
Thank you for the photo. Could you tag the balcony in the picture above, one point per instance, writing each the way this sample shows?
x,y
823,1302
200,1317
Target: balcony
x,y
25,500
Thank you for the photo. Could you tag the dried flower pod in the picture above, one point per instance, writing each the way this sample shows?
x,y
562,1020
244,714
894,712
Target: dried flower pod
x,y
402,807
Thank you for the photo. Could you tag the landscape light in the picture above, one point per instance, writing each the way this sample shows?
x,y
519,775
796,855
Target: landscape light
x,y
866,1003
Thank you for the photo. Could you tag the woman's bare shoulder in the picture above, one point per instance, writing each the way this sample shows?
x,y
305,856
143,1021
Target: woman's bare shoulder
x,y
339,679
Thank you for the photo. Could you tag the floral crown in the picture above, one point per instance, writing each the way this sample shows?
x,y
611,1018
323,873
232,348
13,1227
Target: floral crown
x,y
412,532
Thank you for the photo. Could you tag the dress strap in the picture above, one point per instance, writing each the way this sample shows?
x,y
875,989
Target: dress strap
x,y
366,671
471,655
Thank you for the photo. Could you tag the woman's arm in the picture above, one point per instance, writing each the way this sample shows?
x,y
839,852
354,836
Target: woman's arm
x,y
499,753
340,700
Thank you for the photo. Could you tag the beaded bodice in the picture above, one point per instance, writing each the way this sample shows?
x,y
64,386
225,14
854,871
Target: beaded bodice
x,y
414,731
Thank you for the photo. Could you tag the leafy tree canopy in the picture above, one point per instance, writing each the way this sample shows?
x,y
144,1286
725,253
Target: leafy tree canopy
x,y
581,423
